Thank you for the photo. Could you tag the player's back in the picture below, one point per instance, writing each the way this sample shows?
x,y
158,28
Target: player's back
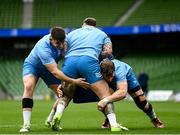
x,y
87,41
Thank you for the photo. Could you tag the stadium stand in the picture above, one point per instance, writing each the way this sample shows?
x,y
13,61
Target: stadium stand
x,y
11,13
163,69
47,13
66,14
156,66
11,78
155,12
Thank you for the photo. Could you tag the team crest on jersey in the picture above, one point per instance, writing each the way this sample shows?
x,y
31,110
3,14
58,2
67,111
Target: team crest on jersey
x,y
98,74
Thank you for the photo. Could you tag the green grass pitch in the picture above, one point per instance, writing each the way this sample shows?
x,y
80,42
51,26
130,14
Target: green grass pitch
x,y
85,119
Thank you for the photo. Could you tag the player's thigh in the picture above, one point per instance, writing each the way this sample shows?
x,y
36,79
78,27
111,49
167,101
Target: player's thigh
x,y
101,89
68,90
30,77
29,82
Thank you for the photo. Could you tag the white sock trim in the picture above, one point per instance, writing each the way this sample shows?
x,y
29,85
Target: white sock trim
x,y
60,109
112,119
51,115
27,117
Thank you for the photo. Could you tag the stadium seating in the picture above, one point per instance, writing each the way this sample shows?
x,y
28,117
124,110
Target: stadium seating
x,y
155,12
163,70
70,13
11,78
11,13
48,13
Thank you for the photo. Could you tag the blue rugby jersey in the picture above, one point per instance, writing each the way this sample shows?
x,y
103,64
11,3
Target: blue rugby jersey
x,y
87,41
43,53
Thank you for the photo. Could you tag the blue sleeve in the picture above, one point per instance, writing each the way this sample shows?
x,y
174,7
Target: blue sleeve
x,y
46,57
120,75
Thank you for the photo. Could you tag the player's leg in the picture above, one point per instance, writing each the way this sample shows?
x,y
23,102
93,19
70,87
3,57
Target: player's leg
x,y
54,88
101,89
143,104
89,68
29,82
137,94
106,123
30,78
91,71
49,119
52,82
62,103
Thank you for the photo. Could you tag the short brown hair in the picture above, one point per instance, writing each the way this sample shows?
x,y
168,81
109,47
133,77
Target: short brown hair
x,y
107,67
90,21
58,34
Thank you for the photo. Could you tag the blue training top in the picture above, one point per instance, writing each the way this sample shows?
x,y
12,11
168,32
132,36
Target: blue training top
x,y
87,41
43,53
121,70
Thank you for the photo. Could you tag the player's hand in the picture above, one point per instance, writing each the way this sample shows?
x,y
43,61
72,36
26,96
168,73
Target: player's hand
x,y
102,104
60,91
81,82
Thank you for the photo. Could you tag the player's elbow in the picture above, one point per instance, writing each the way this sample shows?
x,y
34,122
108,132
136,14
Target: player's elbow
x,y
122,94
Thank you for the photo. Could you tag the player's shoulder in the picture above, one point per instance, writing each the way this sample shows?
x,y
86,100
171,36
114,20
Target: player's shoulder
x,y
99,30
45,38
74,31
43,42
116,61
120,63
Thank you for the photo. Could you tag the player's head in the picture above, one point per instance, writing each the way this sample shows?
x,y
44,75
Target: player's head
x,y
107,69
57,37
89,21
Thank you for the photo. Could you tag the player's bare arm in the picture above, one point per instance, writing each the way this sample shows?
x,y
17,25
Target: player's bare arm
x,y
107,49
119,94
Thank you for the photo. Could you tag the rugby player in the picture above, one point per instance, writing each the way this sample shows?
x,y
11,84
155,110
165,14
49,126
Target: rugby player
x,y
84,46
42,63
121,78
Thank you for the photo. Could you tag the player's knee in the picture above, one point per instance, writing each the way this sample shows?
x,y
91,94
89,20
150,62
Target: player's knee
x,y
148,108
141,102
109,108
27,103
